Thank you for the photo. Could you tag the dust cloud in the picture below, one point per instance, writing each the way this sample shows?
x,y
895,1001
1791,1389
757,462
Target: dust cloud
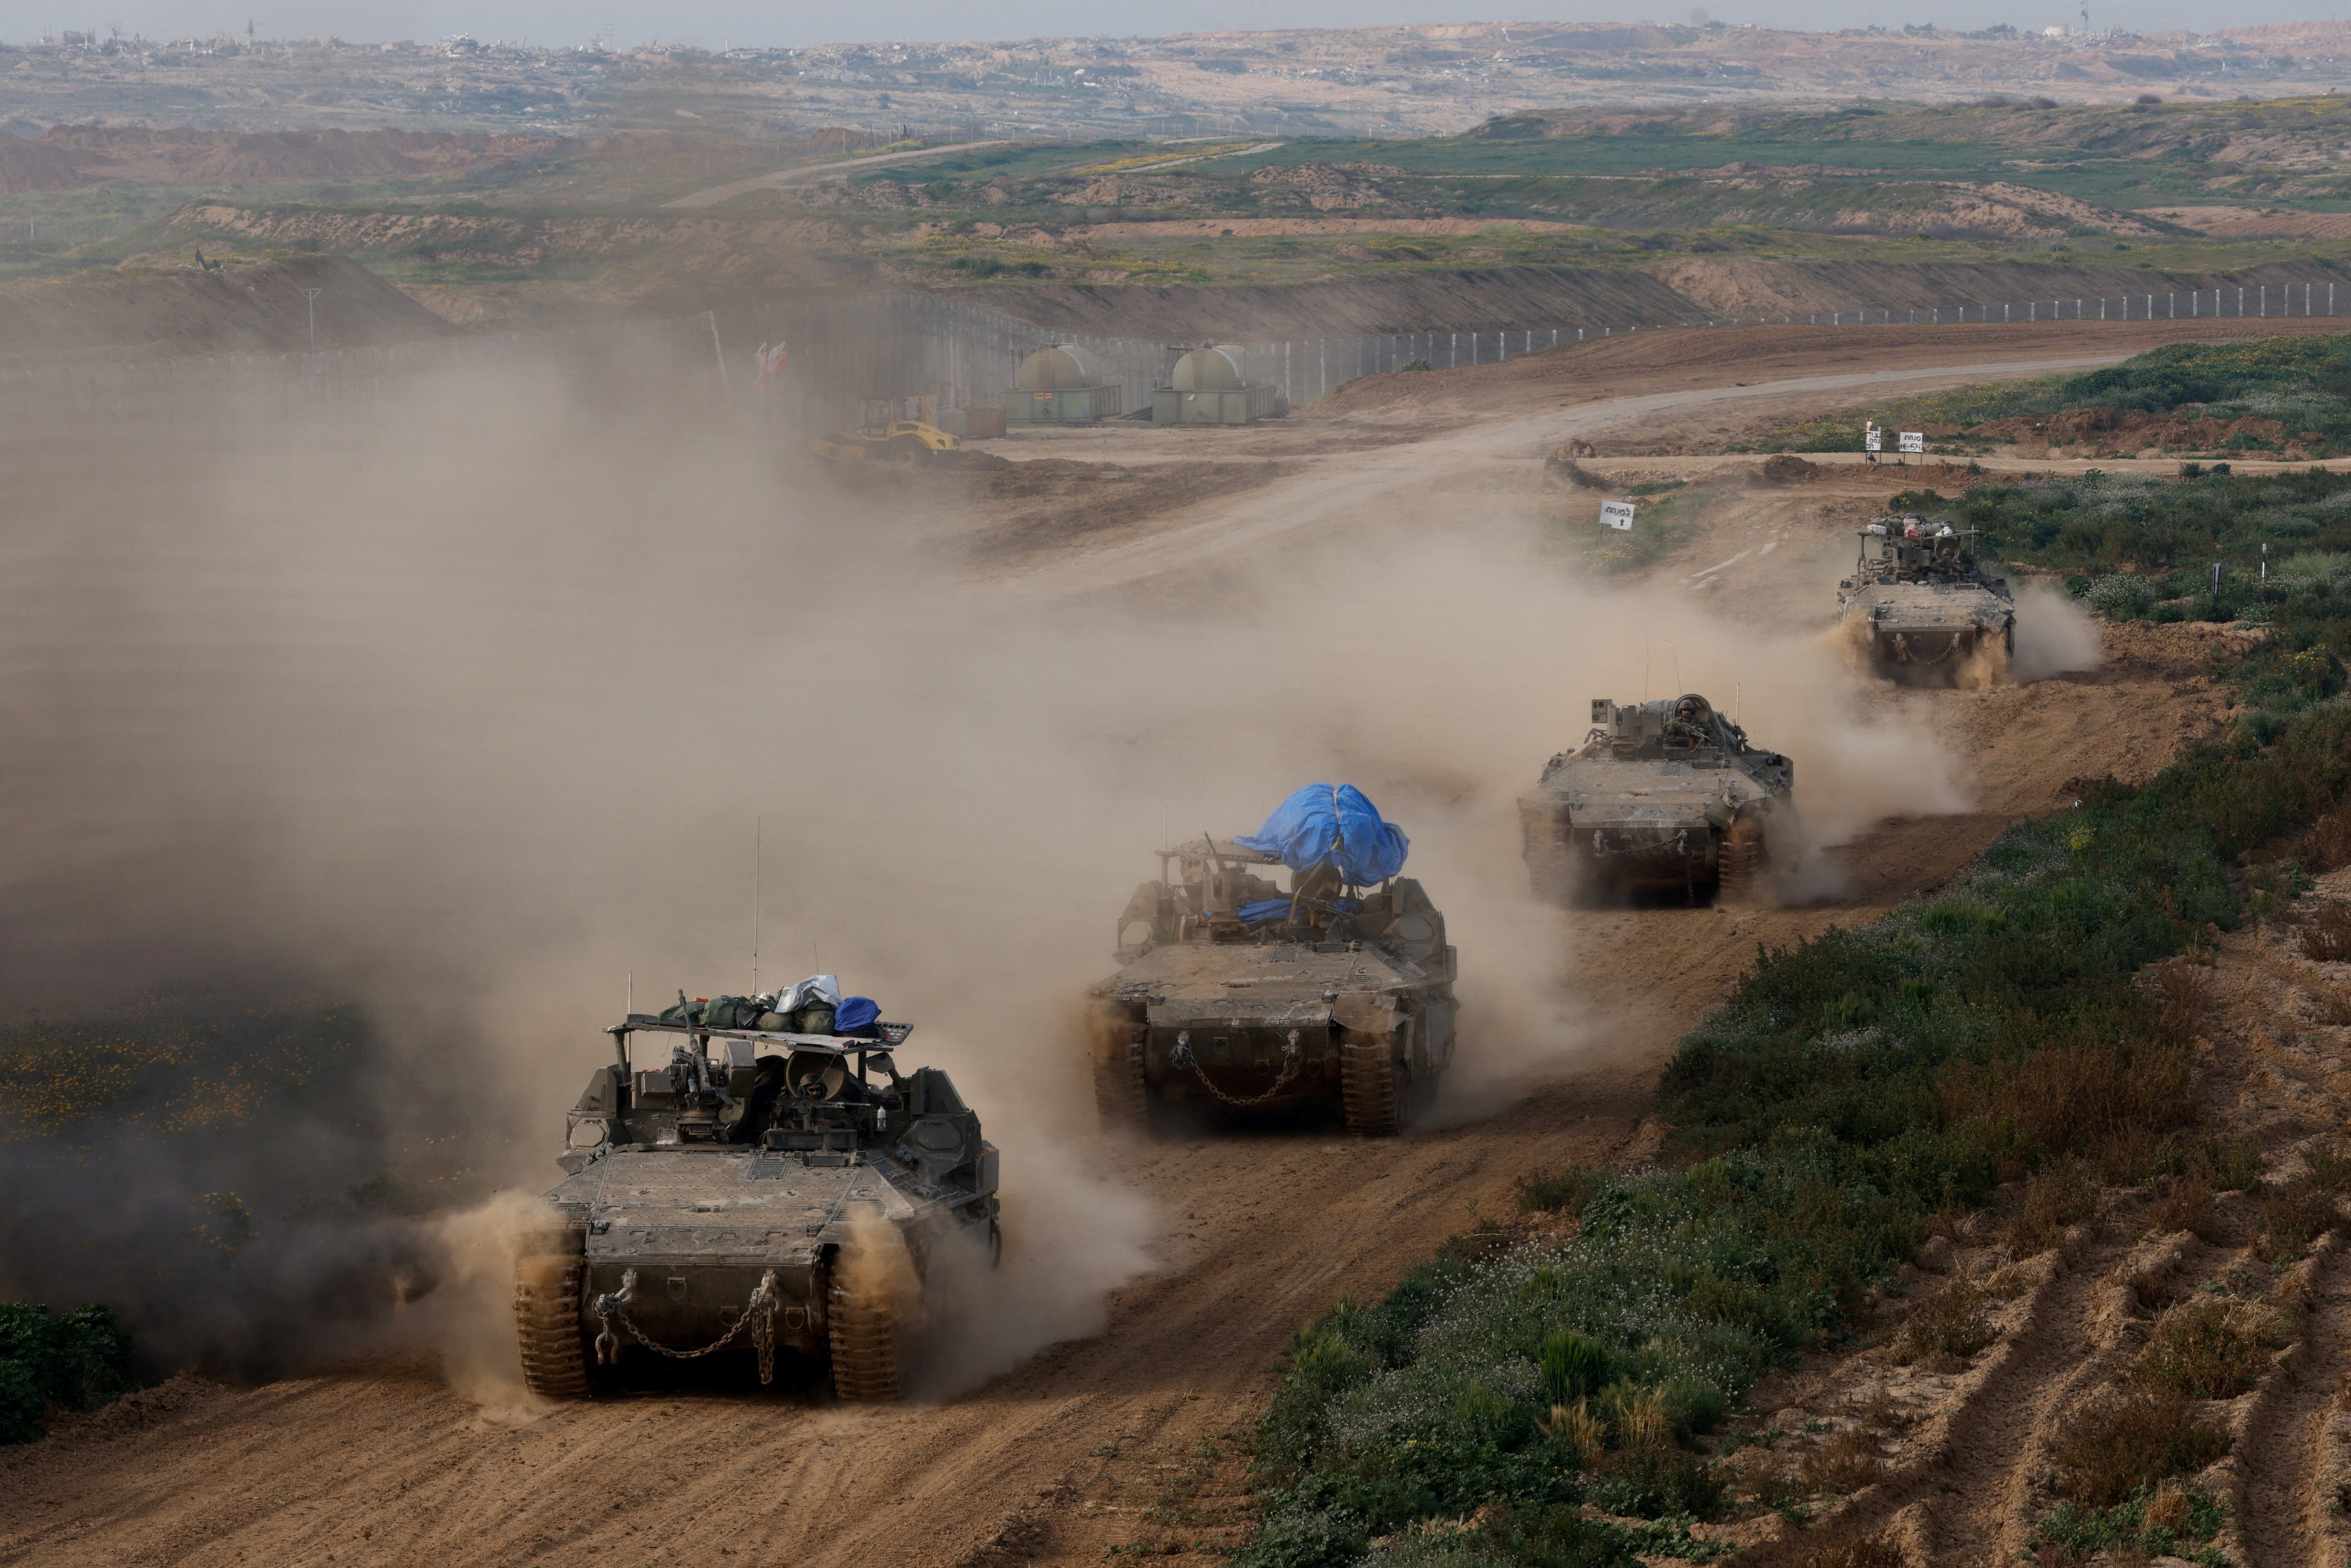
x,y
471,707
2055,635
469,1317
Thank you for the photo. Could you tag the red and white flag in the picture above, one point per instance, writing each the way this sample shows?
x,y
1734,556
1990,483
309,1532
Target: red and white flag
x,y
770,357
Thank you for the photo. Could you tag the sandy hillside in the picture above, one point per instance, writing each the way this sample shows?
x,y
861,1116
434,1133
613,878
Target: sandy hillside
x,y
244,309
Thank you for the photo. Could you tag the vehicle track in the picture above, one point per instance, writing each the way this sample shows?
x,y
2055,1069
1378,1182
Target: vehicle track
x,y
2294,1450
1997,1450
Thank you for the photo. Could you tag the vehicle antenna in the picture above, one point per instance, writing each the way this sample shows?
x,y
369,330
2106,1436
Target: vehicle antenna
x,y
1734,701
759,867
628,1005
1644,669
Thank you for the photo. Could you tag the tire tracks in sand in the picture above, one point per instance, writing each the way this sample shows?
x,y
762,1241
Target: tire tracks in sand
x,y
2295,1454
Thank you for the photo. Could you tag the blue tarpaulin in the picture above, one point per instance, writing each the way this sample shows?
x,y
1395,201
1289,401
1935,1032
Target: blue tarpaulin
x,y
1258,910
1333,822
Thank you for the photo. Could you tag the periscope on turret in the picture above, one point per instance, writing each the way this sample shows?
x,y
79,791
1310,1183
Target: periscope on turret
x,y
1668,796
1235,991
1922,608
749,1175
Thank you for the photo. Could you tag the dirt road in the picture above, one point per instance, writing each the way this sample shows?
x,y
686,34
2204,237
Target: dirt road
x,y
1425,478
1123,1438
806,172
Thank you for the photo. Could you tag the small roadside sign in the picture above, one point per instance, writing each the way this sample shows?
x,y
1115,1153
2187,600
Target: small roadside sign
x,y
1873,440
1617,514
1914,441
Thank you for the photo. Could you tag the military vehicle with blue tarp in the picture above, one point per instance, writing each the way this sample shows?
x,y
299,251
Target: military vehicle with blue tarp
x,y
1236,990
771,1181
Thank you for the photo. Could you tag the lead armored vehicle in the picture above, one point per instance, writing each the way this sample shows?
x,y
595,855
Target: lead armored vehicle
x,y
1237,989
753,1174
1920,607
1661,795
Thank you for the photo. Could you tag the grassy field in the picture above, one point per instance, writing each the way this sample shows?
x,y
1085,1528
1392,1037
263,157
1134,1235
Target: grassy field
x,y
2280,395
1856,1092
1877,185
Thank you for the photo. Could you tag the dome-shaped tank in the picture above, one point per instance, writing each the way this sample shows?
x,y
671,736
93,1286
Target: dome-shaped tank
x,y
1059,368
1216,369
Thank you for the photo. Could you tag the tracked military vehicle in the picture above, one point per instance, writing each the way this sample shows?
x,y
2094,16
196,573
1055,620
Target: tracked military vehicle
x,y
1236,990
1661,795
769,1181
1920,607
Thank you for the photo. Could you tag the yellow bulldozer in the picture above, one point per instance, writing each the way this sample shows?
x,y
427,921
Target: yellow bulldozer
x,y
901,431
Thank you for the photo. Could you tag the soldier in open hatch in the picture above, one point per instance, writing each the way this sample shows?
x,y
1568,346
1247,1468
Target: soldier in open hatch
x,y
775,1180
1920,608
1235,991
1662,795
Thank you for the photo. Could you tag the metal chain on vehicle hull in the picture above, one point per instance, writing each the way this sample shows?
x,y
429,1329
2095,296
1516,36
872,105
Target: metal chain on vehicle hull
x,y
1292,1061
759,1313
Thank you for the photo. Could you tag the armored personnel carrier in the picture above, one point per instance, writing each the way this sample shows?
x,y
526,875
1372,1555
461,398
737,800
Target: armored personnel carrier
x,y
1235,991
1661,795
771,1181
1918,605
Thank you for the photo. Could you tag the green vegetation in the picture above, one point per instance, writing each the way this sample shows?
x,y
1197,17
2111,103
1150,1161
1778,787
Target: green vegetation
x,y
2141,546
1853,1087
1661,527
49,1362
193,1072
185,1064
2171,1522
2302,386
2120,154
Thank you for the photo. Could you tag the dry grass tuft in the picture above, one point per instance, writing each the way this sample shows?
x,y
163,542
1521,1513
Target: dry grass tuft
x,y
2169,1508
2328,845
2008,1281
2056,1198
1845,1465
1576,1430
2111,1450
1869,1552
2210,1349
2229,1165
2294,1218
2325,932
1949,1325
2083,1097
2186,1204
1642,1421
2183,992
1558,1192
2325,1165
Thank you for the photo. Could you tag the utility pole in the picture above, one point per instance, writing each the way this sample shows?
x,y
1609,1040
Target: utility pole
x,y
311,299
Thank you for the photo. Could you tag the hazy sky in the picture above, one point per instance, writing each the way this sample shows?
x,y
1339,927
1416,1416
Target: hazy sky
x,y
713,22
